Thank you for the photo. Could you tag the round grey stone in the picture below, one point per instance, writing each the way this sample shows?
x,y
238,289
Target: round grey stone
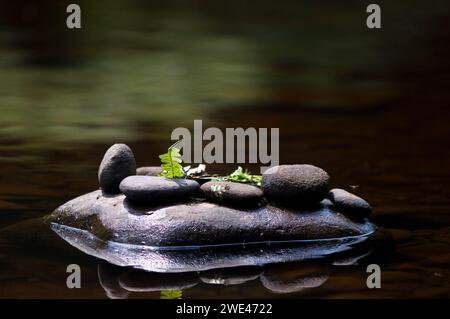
x,y
155,190
234,194
349,203
118,163
149,170
295,277
295,185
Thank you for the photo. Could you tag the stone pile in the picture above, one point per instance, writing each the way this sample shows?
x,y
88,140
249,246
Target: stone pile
x,y
289,186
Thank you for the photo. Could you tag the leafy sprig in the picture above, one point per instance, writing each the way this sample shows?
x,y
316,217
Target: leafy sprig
x,y
241,176
171,163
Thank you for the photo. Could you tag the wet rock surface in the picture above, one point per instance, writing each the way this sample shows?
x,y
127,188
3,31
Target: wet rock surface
x,y
118,163
233,194
295,185
349,203
157,190
113,218
149,170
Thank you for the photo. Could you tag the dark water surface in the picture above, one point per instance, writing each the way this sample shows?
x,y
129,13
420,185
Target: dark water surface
x,y
370,108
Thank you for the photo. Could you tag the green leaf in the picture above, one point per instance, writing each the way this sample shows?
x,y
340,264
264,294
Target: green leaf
x,y
171,294
241,176
171,163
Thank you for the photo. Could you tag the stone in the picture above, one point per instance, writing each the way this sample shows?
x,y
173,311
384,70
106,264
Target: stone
x,y
230,276
295,185
135,280
294,277
108,276
233,194
190,258
118,163
149,170
349,203
157,190
111,218
351,257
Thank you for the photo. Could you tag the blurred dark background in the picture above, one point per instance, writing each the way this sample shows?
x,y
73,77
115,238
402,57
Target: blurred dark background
x,y
369,106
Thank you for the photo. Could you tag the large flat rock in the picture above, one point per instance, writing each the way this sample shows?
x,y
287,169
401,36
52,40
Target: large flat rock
x,y
113,218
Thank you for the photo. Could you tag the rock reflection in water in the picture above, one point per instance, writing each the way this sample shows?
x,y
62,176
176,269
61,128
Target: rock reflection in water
x,y
119,282
288,270
276,278
209,257
289,278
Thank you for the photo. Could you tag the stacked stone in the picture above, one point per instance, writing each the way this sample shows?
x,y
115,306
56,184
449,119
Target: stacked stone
x,y
307,185
291,186
117,173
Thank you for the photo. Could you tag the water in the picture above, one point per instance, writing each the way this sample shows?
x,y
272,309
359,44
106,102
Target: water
x,y
369,107
176,259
